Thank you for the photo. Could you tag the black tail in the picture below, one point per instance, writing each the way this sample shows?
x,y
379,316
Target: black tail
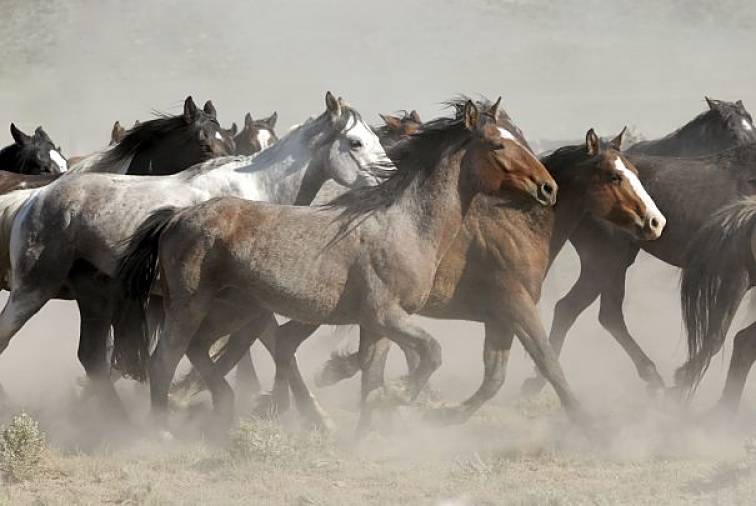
x,y
136,274
715,278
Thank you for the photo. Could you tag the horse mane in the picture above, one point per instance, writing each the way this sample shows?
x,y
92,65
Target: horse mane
x,y
457,103
140,138
415,156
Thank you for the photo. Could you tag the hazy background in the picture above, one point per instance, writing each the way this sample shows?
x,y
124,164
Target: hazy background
x,y
562,67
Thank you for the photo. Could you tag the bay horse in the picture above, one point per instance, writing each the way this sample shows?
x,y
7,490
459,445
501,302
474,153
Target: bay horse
x,y
164,145
606,253
720,268
32,154
395,127
494,271
102,210
256,135
371,261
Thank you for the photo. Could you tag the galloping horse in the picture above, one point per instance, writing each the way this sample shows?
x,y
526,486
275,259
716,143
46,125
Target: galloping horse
x,y
32,154
369,258
494,271
84,219
606,253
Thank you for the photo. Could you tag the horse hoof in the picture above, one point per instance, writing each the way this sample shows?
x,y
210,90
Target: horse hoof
x,y
532,386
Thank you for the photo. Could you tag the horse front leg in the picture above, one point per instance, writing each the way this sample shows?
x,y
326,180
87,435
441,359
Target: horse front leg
x,y
496,349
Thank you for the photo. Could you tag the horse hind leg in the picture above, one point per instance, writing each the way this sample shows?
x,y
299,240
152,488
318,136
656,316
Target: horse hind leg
x,y
743,357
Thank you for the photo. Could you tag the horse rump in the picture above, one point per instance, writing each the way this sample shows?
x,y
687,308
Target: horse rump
x,y
715,277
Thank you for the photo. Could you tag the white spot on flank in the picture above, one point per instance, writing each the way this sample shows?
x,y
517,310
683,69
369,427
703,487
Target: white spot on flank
x,y
746,124
59,160
263,138
651,209
218,136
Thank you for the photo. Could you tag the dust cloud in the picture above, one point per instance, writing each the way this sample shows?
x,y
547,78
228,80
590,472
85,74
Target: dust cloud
x,y
562,67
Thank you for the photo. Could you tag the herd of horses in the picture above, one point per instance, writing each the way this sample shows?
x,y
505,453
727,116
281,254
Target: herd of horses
x,y
183,238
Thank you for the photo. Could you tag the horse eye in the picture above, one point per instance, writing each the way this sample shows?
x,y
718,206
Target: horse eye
x,y
615,178
355,143
497,146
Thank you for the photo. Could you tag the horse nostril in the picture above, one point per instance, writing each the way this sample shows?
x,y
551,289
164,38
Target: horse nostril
x,y
654,223
547,189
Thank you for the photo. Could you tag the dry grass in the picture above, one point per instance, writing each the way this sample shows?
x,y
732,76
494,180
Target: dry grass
x,y
525,454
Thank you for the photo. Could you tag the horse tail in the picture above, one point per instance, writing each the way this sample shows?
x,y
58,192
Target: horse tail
x,y
138,266
714,280
137,271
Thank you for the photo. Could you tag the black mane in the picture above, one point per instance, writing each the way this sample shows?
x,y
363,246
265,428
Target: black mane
x,y
484,104
416,156
143,137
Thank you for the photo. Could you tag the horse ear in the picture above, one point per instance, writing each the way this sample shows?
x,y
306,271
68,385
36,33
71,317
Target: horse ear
x,y
117,132
248,121
137,123
40,133
332,105
711,102
210,109
592,143
494,111
392,122
616,143
740,105
234,129
190,110
20,137
414,116
272,119
471,115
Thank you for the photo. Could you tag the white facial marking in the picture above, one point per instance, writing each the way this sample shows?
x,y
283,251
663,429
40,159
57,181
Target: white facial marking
x,y
263,138
506,134
59,160
651,210
747,125
218,136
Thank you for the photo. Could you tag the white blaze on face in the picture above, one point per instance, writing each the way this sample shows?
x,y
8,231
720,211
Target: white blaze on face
x,y
59,160
263,138
651,210
371,152
218,136
747,125
509,136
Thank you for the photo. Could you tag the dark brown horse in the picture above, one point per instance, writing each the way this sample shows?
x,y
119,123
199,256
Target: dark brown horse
x,y
371,262
32,154
606,253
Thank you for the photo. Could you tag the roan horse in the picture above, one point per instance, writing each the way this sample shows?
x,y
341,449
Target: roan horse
x,y
102,210
720,268
606,252
32,154
370,258
494,271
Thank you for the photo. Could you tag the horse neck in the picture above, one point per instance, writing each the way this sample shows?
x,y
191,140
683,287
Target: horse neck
x,y
165,156
569,209
9,158
693,138
275,175
437,203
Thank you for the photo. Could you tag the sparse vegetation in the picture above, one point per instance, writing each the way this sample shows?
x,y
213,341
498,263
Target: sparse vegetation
x,y
22,448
